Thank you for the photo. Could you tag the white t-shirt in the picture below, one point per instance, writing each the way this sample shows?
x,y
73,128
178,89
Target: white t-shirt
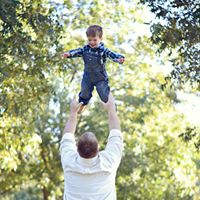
x,y
94,178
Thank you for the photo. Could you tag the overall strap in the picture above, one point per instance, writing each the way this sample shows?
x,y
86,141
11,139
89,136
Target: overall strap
x,y
100,54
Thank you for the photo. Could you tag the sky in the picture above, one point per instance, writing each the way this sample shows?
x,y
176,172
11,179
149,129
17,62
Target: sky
x,y
189,106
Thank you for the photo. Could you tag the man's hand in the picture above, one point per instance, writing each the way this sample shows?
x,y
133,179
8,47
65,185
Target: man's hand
x,y
121,60
110,104
65,55
70,126
113,119
74,106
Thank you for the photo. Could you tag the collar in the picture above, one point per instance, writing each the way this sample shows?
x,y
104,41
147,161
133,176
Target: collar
x,y
101,45
87,161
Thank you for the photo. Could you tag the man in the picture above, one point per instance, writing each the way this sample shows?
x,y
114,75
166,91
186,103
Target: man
x,y
90,174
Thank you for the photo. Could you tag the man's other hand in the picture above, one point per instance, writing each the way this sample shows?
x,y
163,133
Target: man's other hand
x,y
75,106
110,104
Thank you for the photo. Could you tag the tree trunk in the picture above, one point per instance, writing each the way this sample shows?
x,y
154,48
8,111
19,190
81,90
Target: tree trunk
x,y
45,194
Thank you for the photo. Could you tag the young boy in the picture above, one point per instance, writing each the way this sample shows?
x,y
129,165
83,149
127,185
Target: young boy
x,y
94,55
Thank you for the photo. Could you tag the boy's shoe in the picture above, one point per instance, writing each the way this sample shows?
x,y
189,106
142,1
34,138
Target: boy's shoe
x,y
81,109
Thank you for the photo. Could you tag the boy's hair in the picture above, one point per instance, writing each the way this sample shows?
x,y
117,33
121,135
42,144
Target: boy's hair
x,y
94,30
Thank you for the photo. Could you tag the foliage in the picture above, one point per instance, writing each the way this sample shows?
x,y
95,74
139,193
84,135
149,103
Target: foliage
x,y
36,88
27,34
192,134
178,30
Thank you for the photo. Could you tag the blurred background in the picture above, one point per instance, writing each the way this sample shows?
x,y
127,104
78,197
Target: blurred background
x,y
157,92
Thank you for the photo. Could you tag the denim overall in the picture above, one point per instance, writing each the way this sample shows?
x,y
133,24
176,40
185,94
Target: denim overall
x,y
94,75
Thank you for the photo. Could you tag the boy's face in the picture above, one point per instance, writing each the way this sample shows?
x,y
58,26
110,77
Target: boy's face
x,y
94,41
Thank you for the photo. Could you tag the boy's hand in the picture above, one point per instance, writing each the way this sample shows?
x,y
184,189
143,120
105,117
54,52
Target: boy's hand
x,y
65,55
121,60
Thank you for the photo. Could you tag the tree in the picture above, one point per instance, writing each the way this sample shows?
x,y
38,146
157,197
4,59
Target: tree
x,y
28,31
191,134
178,30
150,124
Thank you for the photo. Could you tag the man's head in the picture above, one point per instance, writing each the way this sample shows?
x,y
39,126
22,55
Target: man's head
x,y
88,145
94,34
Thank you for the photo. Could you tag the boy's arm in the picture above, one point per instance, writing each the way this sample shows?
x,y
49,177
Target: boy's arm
x,y
115,57
73,53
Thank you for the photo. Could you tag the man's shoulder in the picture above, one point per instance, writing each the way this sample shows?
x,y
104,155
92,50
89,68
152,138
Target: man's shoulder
x,y
109,160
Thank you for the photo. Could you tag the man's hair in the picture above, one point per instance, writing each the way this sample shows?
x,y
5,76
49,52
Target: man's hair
x,y
94,30
88,145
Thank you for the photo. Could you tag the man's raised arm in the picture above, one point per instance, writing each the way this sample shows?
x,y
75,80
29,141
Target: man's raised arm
x,y
67,144
70,126
113,119
114,147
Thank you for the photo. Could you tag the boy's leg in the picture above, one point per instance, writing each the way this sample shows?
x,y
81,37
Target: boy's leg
x,y
103,90
86,92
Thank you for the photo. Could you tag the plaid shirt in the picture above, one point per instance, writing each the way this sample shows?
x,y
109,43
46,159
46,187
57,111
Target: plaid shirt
x,y
101,49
